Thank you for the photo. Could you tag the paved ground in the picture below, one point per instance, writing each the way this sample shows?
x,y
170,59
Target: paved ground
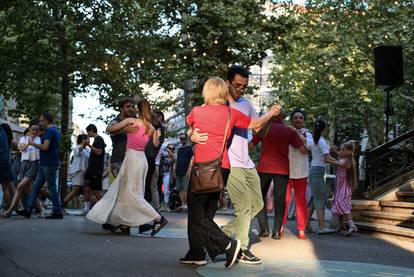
x,y
77,247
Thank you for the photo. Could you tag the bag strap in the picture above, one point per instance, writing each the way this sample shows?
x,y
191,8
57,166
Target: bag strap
x,y
225,133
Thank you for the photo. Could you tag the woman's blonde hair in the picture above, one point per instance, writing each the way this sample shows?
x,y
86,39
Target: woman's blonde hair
x,y
145,113
351,174
215,91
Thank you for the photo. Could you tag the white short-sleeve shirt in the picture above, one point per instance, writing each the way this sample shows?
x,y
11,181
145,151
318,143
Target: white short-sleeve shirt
x,y
299,162
31,153
318,151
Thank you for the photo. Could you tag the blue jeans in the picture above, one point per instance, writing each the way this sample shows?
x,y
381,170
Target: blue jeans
x,y
45,174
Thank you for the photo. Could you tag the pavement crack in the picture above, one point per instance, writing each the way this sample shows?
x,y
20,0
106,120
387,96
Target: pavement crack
x,y
16,264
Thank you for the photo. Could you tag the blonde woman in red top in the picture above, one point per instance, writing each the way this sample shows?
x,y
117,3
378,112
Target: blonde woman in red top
x,y
211,118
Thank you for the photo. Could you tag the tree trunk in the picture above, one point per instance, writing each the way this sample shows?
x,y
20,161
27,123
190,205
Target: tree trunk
x,y
66,143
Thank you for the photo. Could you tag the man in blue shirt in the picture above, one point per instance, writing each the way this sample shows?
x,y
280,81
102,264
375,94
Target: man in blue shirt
x,y
49,162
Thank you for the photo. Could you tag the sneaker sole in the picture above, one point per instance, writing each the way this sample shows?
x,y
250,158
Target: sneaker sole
x,y
194,262
241,261
236,253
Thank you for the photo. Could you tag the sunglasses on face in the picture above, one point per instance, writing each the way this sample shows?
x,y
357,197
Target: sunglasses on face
x,y
171,148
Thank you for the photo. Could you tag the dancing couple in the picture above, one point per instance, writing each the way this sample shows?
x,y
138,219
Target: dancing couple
x,y
124,203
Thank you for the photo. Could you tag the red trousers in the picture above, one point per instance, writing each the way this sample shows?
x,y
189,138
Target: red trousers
x,y
299,187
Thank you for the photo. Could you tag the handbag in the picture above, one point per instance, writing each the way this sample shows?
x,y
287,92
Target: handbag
x,y
206,177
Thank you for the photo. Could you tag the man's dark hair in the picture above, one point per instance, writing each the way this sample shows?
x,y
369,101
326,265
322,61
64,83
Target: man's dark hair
x,y
92,128
237,70
48,117
124,101
34,122
158,112
182,134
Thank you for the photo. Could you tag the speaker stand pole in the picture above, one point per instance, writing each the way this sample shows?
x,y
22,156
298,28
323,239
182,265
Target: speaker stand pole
x,y
387,112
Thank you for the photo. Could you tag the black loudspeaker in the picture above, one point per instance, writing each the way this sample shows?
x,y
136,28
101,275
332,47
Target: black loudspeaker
x,y
388,66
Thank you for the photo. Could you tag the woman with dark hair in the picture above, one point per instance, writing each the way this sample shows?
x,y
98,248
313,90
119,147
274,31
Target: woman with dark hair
x,y
29,164
78,168
299,171
124,203
6,171
320,157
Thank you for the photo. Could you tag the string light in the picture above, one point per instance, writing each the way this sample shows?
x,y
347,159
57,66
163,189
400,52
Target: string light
x,y
216,42
155,60
194,49
185,57
204,54
105,66
174,56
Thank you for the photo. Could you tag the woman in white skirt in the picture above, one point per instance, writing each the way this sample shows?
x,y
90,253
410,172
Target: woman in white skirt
x,y
124,202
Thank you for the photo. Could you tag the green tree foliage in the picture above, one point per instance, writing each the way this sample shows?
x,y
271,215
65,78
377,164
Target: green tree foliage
x,y
326,64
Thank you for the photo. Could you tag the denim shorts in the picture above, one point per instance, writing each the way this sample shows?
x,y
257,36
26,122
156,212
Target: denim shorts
x,y
318,186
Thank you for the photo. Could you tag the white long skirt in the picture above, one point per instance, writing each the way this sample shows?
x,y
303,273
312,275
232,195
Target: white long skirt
x,y
124,201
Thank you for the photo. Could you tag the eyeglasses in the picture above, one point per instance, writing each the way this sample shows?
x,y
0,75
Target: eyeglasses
x,y
182,138
171,148
239,87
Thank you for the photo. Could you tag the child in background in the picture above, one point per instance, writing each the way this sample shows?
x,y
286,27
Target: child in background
x,y
346,181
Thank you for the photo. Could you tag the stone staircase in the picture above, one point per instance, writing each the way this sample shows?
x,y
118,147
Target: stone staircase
x,y
393,215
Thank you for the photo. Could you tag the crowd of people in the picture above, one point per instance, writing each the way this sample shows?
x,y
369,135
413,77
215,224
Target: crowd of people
x,y
149,179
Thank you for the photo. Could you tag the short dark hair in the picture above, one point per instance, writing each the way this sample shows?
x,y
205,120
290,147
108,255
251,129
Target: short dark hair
x,y
34,122
182,134
48,117
302,111
124,101
26,131
80,138
237,70
92,128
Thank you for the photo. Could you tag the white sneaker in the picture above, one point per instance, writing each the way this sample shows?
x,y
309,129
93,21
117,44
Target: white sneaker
x,y
326,231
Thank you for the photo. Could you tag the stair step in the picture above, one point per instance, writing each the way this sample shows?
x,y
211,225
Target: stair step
x,y
391,218
405,193
397,206
407,196
387,229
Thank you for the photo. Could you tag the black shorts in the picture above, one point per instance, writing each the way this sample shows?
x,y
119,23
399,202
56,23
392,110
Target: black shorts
x,y
93,180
